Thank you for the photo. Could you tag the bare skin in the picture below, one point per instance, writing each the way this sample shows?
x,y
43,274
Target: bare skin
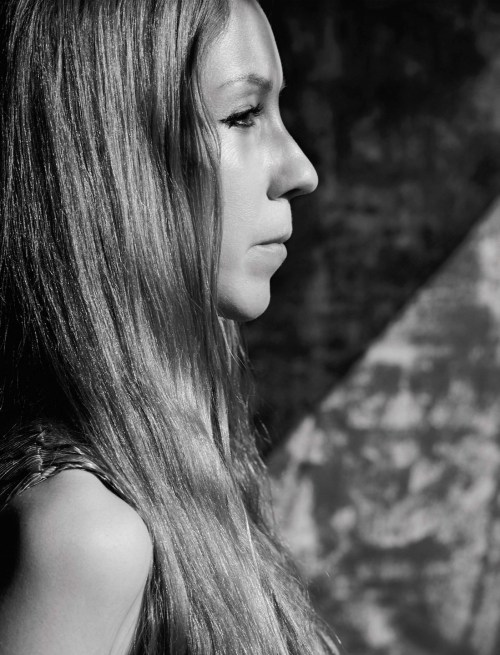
x,y
80,559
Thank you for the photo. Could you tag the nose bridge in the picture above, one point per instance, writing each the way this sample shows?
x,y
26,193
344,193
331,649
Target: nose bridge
x,y
294,175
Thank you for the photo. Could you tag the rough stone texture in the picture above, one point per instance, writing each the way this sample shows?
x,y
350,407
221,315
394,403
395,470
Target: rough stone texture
x,y
389,493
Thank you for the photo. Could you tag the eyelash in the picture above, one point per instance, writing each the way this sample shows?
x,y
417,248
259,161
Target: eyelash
x,y
244,119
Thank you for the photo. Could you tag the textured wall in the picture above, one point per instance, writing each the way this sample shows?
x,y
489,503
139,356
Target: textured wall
x,y
397,104
389,493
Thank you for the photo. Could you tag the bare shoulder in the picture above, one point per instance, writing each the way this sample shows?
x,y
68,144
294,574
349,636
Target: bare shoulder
x,y
73,521
81,562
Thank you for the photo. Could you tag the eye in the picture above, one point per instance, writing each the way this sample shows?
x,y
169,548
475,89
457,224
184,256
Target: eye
x,y
244,119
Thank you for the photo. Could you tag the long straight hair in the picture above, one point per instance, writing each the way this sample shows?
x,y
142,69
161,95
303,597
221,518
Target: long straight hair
x,y
110,240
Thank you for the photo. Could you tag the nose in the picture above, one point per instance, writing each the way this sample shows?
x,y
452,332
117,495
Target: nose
x,y
293,174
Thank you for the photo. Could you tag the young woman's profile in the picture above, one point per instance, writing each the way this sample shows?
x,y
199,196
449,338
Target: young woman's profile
x,y
145,188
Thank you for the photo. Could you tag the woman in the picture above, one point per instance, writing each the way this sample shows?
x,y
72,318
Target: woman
x,y
146,180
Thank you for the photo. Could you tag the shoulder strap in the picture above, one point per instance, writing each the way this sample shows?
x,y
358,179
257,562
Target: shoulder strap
x,y
30,458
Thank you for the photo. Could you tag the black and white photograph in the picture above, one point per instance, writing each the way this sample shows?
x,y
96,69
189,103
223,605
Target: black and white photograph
x,y
249,327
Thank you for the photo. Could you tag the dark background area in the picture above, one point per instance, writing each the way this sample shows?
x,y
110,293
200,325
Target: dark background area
x,y
397,104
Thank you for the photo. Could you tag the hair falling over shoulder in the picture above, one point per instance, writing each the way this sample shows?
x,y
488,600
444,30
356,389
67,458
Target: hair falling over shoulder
x,y
110,235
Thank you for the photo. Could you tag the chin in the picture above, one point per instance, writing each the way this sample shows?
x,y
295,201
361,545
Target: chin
x,y
244,306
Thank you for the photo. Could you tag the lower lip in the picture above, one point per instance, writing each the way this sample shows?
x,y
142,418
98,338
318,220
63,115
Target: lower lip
x,y
268,257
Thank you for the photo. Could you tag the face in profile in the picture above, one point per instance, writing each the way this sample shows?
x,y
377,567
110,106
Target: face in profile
x,y
262,168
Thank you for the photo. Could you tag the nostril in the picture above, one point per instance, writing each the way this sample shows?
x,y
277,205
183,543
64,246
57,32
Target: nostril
x,y
297,191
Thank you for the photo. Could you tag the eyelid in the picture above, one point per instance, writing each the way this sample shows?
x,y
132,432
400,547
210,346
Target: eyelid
x,y
239,116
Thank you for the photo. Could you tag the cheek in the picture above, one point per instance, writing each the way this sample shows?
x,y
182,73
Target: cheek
x,y
238,221
243,288
239,171
242,201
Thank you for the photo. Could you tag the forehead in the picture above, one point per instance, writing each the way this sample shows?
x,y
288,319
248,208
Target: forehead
x,y
245,47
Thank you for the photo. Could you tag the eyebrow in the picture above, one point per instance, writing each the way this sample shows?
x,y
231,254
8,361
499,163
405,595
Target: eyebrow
x,y
263,83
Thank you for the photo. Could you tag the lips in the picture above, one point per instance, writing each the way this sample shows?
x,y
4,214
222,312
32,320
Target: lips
x,y
279,238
